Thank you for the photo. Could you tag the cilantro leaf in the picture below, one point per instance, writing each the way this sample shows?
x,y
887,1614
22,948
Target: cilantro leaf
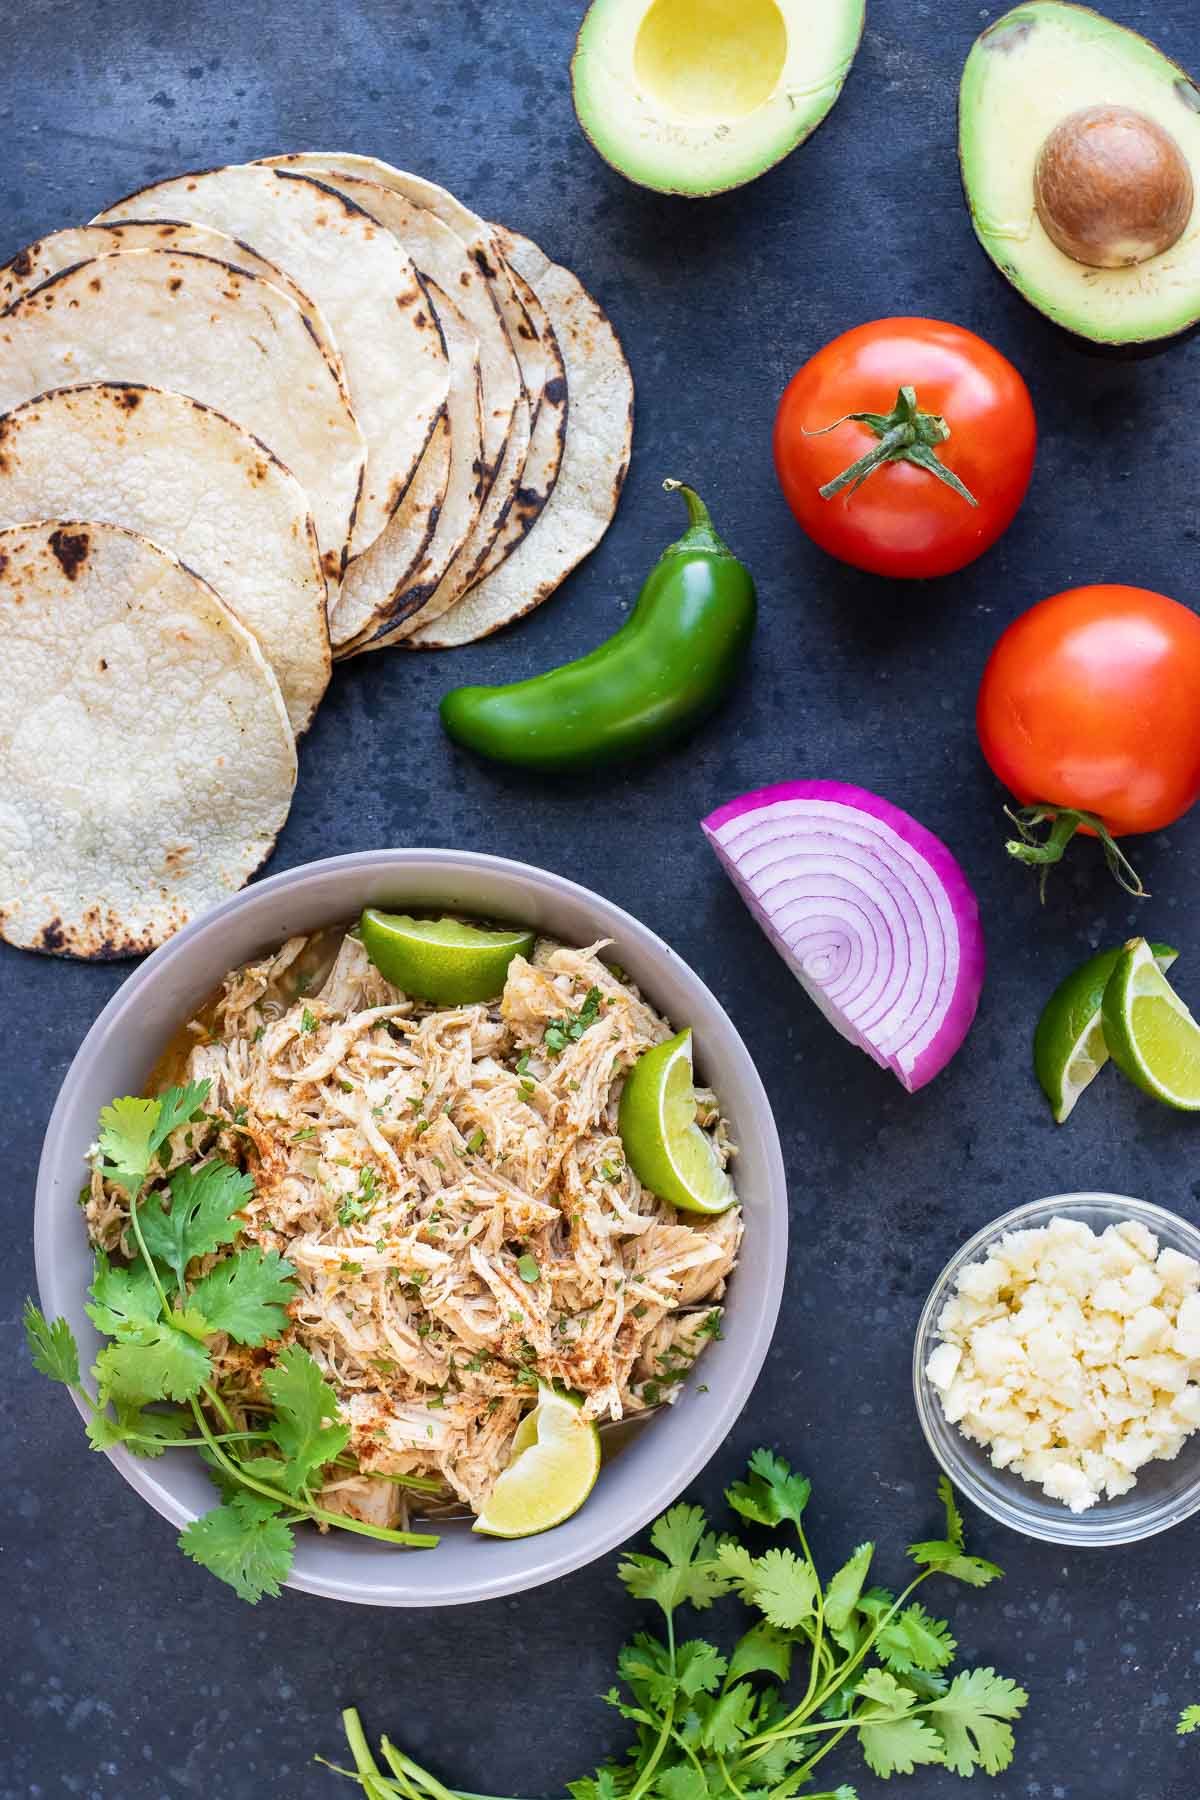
x,y
727,1719
244,1542
132,1130
126,1140
761,1650
202,1217
686,1569
303,1402
841,1595
783,1586
124,1298
972,1718
898,1746
942,1556
684,1781
246,1295
1189,1721
947,1555
954,1523
51,1345
699,1667
771,1492
146,1433
912,1641
159,1363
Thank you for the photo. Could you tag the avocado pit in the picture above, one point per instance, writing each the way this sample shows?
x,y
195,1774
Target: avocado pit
x,y
1112,187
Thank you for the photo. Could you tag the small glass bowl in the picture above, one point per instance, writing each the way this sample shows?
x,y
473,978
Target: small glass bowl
x,y
1166,1492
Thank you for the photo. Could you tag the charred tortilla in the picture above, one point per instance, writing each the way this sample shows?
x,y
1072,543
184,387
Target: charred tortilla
x,y
199,485
173,319
149,763
594,463
79,243
364,282
462,500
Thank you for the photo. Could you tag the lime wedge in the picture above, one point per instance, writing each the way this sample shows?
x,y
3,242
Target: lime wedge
x,y
1151,1035
1069,1049
666,1148
441,960
553,1468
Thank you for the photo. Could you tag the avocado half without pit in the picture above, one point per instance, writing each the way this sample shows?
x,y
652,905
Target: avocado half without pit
x,y
1080,147
696,96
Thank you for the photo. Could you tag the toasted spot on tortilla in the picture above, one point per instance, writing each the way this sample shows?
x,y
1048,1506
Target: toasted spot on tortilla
x,y
70,550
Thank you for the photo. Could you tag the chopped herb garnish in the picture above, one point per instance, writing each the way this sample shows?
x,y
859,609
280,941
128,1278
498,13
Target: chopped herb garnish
x,y
527,1089
561,1032
308,1132
239,1115
476,1141
527,1269
422,1127
710,1327
612,1172
523,1063
347,1087
351,1268
640,1310
260,1034
308,1020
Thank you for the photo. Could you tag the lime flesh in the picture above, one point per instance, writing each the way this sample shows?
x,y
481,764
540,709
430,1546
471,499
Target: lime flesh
x,y
442,960
1151,1035
666,1148
1069,1047
553,1468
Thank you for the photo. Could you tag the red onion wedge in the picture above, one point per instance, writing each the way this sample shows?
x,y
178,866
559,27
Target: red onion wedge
x,y
870,912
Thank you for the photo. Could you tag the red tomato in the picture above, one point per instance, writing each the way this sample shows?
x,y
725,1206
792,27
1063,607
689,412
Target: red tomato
x,y
903,521
1090,702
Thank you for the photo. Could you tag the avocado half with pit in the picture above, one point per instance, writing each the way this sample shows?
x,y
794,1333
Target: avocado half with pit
x,y
1080,148
696,96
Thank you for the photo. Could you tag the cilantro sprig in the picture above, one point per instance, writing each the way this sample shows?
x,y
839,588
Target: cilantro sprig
x,y
820,1661
1189,1721
160,1320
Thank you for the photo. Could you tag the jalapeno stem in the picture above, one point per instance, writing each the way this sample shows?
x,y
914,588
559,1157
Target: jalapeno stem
x,y
701,533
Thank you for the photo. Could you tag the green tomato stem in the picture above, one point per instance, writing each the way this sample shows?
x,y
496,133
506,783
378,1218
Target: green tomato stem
x,y
906,434
1064,822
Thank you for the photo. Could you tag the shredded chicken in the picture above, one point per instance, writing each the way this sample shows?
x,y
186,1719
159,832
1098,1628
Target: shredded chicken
x,y
452,1192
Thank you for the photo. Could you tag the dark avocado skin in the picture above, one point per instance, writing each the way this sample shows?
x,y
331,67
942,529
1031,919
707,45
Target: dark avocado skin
x,y
1137,347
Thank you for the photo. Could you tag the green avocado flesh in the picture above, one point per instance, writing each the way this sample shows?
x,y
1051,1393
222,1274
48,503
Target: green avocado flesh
x,y
696,96
1024,75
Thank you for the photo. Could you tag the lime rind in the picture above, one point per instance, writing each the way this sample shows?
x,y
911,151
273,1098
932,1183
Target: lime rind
x,y
667,1150
1069,1046
1151,1034
551,1471
445,961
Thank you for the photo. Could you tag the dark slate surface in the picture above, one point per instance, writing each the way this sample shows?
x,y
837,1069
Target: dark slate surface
x,y
134,1676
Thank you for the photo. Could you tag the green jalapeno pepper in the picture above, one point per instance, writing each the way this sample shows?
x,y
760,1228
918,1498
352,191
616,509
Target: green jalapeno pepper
x,y
670,664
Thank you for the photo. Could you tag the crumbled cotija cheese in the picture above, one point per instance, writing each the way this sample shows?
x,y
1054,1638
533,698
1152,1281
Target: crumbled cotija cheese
x,y
1073,1358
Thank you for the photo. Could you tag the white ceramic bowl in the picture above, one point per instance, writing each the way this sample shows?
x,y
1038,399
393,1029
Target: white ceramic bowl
x,y
116,1058
1166,1492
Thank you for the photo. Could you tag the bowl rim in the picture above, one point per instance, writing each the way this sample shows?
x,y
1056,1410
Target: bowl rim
x,y
1091,1530
713,1424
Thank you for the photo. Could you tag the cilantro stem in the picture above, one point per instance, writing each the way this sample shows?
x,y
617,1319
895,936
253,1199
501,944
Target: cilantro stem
x,y
818,1637
664,1737
368,1769
218,1405
793,1725
415,1540
146,1257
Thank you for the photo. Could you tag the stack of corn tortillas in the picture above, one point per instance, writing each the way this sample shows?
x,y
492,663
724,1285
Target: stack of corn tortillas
x,y
252,421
